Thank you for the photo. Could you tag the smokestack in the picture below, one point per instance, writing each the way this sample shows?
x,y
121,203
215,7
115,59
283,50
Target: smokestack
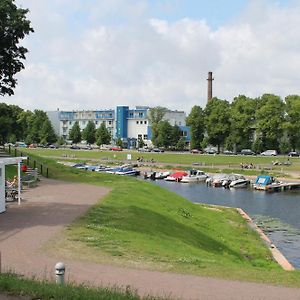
x,y
209,86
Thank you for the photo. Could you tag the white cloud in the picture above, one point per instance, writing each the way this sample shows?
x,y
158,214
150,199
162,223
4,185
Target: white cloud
x,y
100,63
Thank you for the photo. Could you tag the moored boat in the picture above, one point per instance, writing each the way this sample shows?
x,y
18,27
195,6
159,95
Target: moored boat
x,y
194,176
177,176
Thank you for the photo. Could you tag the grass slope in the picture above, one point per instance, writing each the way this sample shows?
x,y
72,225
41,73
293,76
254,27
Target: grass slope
x,y
144,225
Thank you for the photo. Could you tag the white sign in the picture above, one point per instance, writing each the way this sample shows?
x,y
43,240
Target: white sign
x,y
128,156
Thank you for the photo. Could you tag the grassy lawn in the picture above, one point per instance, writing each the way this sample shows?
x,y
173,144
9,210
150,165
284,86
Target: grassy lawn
x,y
142,225
14,285
174,159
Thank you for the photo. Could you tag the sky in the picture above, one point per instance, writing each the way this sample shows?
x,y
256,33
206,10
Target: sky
x,y
97,54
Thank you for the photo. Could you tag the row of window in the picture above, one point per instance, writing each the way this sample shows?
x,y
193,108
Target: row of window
x,y
85,122
141,122
140,136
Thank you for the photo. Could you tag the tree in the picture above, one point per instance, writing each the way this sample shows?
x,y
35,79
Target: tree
x,y
269,120
89,133
217,121
119,142
13,27
176,135
156,115
5,123
141,143
47,133
165,134
75,134
35,124
293,120
196,120
102,135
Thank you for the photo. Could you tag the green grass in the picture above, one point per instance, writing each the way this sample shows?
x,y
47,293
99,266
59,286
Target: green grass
x,y
175,159
11,284
142,225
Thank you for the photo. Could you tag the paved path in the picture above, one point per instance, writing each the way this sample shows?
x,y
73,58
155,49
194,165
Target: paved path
x,y
47,208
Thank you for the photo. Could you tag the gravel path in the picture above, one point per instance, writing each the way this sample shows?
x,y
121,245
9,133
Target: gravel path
x,y
46,209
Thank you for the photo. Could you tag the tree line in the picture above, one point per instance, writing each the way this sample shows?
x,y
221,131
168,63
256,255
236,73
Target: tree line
x,y
266,122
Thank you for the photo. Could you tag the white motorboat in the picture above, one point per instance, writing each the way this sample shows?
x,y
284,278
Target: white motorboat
x,y
241,182
194,176
161,175
237,179
217,180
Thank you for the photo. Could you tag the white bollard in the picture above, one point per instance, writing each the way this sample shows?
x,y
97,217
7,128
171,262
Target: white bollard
x,y
60,273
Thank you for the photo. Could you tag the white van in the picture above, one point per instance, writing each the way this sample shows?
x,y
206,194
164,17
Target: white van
x,y
269,153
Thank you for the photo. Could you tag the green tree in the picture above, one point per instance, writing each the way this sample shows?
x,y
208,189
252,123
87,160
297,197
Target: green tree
x,y
165,134
119,142
242,123
47,134
89,133
293,120
141,143
176,135
196,120
36,122
269,120
217,121
180,145
75,133
23,123
102,135
6,122
13,27
156,115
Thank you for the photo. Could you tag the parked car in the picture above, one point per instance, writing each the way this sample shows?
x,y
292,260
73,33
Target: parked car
x,y
158,150
247,152
75,147
144,150
210,151
195,151
228,152
269,153
116,148
294,154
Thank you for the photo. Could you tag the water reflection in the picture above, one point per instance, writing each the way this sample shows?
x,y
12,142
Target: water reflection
x,y
283,206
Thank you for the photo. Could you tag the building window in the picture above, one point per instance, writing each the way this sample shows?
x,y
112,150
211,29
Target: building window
x,y
145,122
137,122
184,133
131,115
141,115
70,123
145,137
179,123
109,122
140,136
96,122
83,123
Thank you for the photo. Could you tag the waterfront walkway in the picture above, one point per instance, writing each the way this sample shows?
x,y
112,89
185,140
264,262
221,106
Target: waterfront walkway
x,y
44,212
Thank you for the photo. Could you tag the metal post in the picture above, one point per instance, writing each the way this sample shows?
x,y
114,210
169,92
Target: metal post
x,y
19,183
34,164
47,173
60,273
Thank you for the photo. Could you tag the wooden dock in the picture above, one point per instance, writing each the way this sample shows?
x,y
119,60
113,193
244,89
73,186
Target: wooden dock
x,y
280,187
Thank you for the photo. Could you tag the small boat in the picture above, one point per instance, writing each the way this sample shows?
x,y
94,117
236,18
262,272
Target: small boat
x,y
241,182
194,176
217,180
80,166
177,176
161,175
127,171
264,182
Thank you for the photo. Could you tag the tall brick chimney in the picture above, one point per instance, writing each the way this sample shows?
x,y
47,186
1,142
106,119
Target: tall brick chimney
x,y
209,86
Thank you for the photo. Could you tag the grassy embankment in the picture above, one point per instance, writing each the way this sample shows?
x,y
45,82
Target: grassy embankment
x,y
142,225
208,163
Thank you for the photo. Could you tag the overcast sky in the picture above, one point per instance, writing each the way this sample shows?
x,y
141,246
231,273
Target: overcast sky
x,y
95,54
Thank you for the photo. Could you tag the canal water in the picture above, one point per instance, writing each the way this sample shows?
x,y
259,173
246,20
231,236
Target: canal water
x,y
278,214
